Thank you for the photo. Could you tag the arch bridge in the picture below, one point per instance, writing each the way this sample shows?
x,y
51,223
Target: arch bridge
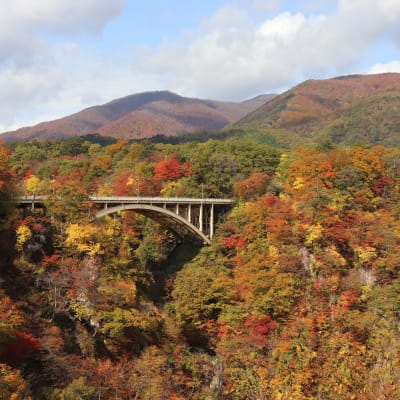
x,y
187,217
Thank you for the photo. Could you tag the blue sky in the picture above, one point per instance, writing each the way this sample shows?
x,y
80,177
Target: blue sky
x,y
59,56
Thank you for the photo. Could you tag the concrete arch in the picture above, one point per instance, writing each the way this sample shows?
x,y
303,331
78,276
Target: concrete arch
x,y
182,227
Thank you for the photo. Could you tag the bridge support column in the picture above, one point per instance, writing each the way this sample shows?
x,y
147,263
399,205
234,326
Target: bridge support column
x,y
33,203
201,218
212,221
177,208
189,213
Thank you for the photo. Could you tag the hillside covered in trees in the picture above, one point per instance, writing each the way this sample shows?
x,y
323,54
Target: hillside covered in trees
x,y
298,297
346,110
142,115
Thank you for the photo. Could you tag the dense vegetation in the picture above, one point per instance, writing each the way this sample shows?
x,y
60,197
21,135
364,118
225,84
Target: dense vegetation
x,y
349,110
297,298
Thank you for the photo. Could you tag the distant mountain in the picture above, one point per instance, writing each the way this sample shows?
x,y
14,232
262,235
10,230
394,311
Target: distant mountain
x,y
142,115
348,110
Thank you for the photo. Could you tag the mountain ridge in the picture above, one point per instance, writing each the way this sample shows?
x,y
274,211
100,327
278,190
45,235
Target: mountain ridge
x,y
142,115
335,109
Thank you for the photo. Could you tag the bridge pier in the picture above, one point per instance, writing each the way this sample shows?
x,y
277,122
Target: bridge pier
x,y
212,221
201,218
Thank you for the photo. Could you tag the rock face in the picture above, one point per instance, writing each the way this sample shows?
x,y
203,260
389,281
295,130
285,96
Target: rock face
x,y
143,115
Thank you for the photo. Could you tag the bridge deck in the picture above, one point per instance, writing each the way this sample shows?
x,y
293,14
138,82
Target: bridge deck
x,y
29,199
157,200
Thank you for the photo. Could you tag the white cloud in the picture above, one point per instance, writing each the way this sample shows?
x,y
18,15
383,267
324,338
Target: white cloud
x,y
22,88
71,80
33,70
393,66
61,15
24,24
235,58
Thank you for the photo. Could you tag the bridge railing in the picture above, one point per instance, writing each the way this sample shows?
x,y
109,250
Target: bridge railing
x,y
158,200
133,199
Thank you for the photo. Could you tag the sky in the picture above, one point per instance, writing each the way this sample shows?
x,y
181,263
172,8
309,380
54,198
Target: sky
x,y
60,56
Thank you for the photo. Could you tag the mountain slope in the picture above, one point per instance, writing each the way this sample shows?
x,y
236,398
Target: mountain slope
x,y
344,109
142,115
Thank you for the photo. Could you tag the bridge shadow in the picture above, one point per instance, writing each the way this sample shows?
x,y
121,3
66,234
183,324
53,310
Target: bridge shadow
x,y
164,273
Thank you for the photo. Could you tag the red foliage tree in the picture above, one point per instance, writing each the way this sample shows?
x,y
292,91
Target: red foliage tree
x,y
120,184
255,185
257,329
20,348
171,169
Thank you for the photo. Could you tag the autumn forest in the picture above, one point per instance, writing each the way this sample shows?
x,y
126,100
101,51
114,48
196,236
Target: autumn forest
x,y
297,298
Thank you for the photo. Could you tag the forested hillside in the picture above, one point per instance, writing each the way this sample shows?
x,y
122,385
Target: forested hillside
x,y
298,297
347,110
142,115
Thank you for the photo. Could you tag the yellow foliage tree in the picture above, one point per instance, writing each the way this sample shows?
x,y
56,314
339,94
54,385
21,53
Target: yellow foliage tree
x,y
114,148
369,161
33,185
23,235
365,254
172,188
84,238
314,233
